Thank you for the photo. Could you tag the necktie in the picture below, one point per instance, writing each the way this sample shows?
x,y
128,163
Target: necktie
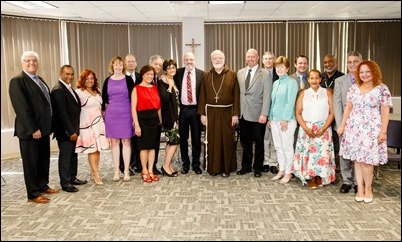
x,y
189,90
44,90
247,82
301,82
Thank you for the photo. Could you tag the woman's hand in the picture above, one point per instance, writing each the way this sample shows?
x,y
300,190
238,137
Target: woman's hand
x,y
137,131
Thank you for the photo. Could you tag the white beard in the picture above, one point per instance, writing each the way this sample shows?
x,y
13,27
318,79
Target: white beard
x,y
218,66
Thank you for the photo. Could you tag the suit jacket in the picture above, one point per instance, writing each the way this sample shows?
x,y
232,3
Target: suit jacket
x,y
66,112
256,100
31,107
274,75
342,85
178,79
306,84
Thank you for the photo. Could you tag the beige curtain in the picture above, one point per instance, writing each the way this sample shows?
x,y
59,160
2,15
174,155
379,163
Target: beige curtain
x,y
23,34
155,39
376,40
235,39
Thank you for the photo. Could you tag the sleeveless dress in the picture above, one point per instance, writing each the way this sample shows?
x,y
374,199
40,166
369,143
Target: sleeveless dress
x,y
92,127
315,156
118,118
359,140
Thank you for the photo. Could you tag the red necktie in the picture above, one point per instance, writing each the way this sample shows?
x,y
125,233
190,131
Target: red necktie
x,y
189,90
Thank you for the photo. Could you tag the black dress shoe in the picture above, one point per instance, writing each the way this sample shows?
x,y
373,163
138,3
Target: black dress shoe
x,y
197,170
257,174
345,188
137,169
225,175
131,172
78,182
243,171
156,171
355,188
265,168
184,171
273,169
70,188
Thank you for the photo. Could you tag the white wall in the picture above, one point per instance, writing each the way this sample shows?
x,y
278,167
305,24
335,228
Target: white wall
x,y
193,28
10,145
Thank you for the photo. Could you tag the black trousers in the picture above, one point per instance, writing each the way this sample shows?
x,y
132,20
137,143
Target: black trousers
x,y
189,121
252,132
35,155
68,162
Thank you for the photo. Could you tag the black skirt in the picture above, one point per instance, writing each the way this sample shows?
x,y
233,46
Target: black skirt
x,y
149,122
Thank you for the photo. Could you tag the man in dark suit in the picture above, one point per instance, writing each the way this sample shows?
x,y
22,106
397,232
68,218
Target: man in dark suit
x,y
66,124
30,98
135,161
188,117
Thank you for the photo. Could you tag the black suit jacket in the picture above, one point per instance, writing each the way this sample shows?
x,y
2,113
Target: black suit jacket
x,y
178,79
31,107
66,112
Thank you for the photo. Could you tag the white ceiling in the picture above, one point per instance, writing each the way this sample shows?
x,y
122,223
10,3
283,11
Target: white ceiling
x,y
175,11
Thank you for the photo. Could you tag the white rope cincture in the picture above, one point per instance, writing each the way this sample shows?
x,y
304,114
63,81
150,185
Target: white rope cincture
x,y
206,129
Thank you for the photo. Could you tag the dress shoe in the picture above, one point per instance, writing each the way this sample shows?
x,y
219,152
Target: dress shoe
x,y
345,188
131,172
225,175
77,181
312,183
243,171
286,178
40,199
359,199
274,170
137,169
265,168
165,173
184,171
368,199
355,188
70,188
278,176
156,171
197,170
52,191
257,174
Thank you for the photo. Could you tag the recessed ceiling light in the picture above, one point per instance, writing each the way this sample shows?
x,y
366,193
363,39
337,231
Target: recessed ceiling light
x,y
225,2
32,4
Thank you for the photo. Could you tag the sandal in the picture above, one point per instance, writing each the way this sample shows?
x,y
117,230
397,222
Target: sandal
x,y
146,177
153,177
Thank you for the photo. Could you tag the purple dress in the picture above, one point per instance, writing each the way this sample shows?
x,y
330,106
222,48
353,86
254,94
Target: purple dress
x,y
118,119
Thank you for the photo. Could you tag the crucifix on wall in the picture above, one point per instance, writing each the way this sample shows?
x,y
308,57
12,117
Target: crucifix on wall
x,y
193,45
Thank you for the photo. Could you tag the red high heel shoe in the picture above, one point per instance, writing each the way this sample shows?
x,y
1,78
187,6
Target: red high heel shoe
x,y
146,177
153,177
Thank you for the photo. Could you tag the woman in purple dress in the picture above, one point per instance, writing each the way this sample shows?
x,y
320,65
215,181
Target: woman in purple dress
x,y
116,95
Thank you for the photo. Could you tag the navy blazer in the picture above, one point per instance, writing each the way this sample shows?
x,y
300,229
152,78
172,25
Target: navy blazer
x,y
66,112
31,107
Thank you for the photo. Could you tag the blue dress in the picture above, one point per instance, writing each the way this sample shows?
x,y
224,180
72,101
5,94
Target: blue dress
x,y
118,119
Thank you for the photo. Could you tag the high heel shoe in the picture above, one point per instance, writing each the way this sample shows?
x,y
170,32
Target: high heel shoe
x,y
153,177
278,176
116,176
285,179
165,173
146,177
126,176
96,178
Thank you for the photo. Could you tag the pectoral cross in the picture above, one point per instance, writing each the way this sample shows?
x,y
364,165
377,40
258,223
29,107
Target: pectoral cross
x,y
216,99
193,45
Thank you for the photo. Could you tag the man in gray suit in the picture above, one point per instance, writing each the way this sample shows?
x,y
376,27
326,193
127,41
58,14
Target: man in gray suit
x,y
255,98
342,85
301,65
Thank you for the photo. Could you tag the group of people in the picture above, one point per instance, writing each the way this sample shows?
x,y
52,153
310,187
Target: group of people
x,y
291,121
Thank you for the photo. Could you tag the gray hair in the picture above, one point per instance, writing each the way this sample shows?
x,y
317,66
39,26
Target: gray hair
x,y
155,57
355,53
29,53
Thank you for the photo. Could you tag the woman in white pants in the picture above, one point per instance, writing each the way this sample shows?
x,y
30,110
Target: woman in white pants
x,y
282,118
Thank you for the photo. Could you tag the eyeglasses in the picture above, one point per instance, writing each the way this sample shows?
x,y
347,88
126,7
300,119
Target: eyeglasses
x,y
157,64
31,60
170,68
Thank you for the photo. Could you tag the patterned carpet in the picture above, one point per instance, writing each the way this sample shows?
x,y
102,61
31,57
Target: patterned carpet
x,y
197,207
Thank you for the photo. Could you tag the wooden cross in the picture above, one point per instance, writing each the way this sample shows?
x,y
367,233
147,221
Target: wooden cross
x,y
193,45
